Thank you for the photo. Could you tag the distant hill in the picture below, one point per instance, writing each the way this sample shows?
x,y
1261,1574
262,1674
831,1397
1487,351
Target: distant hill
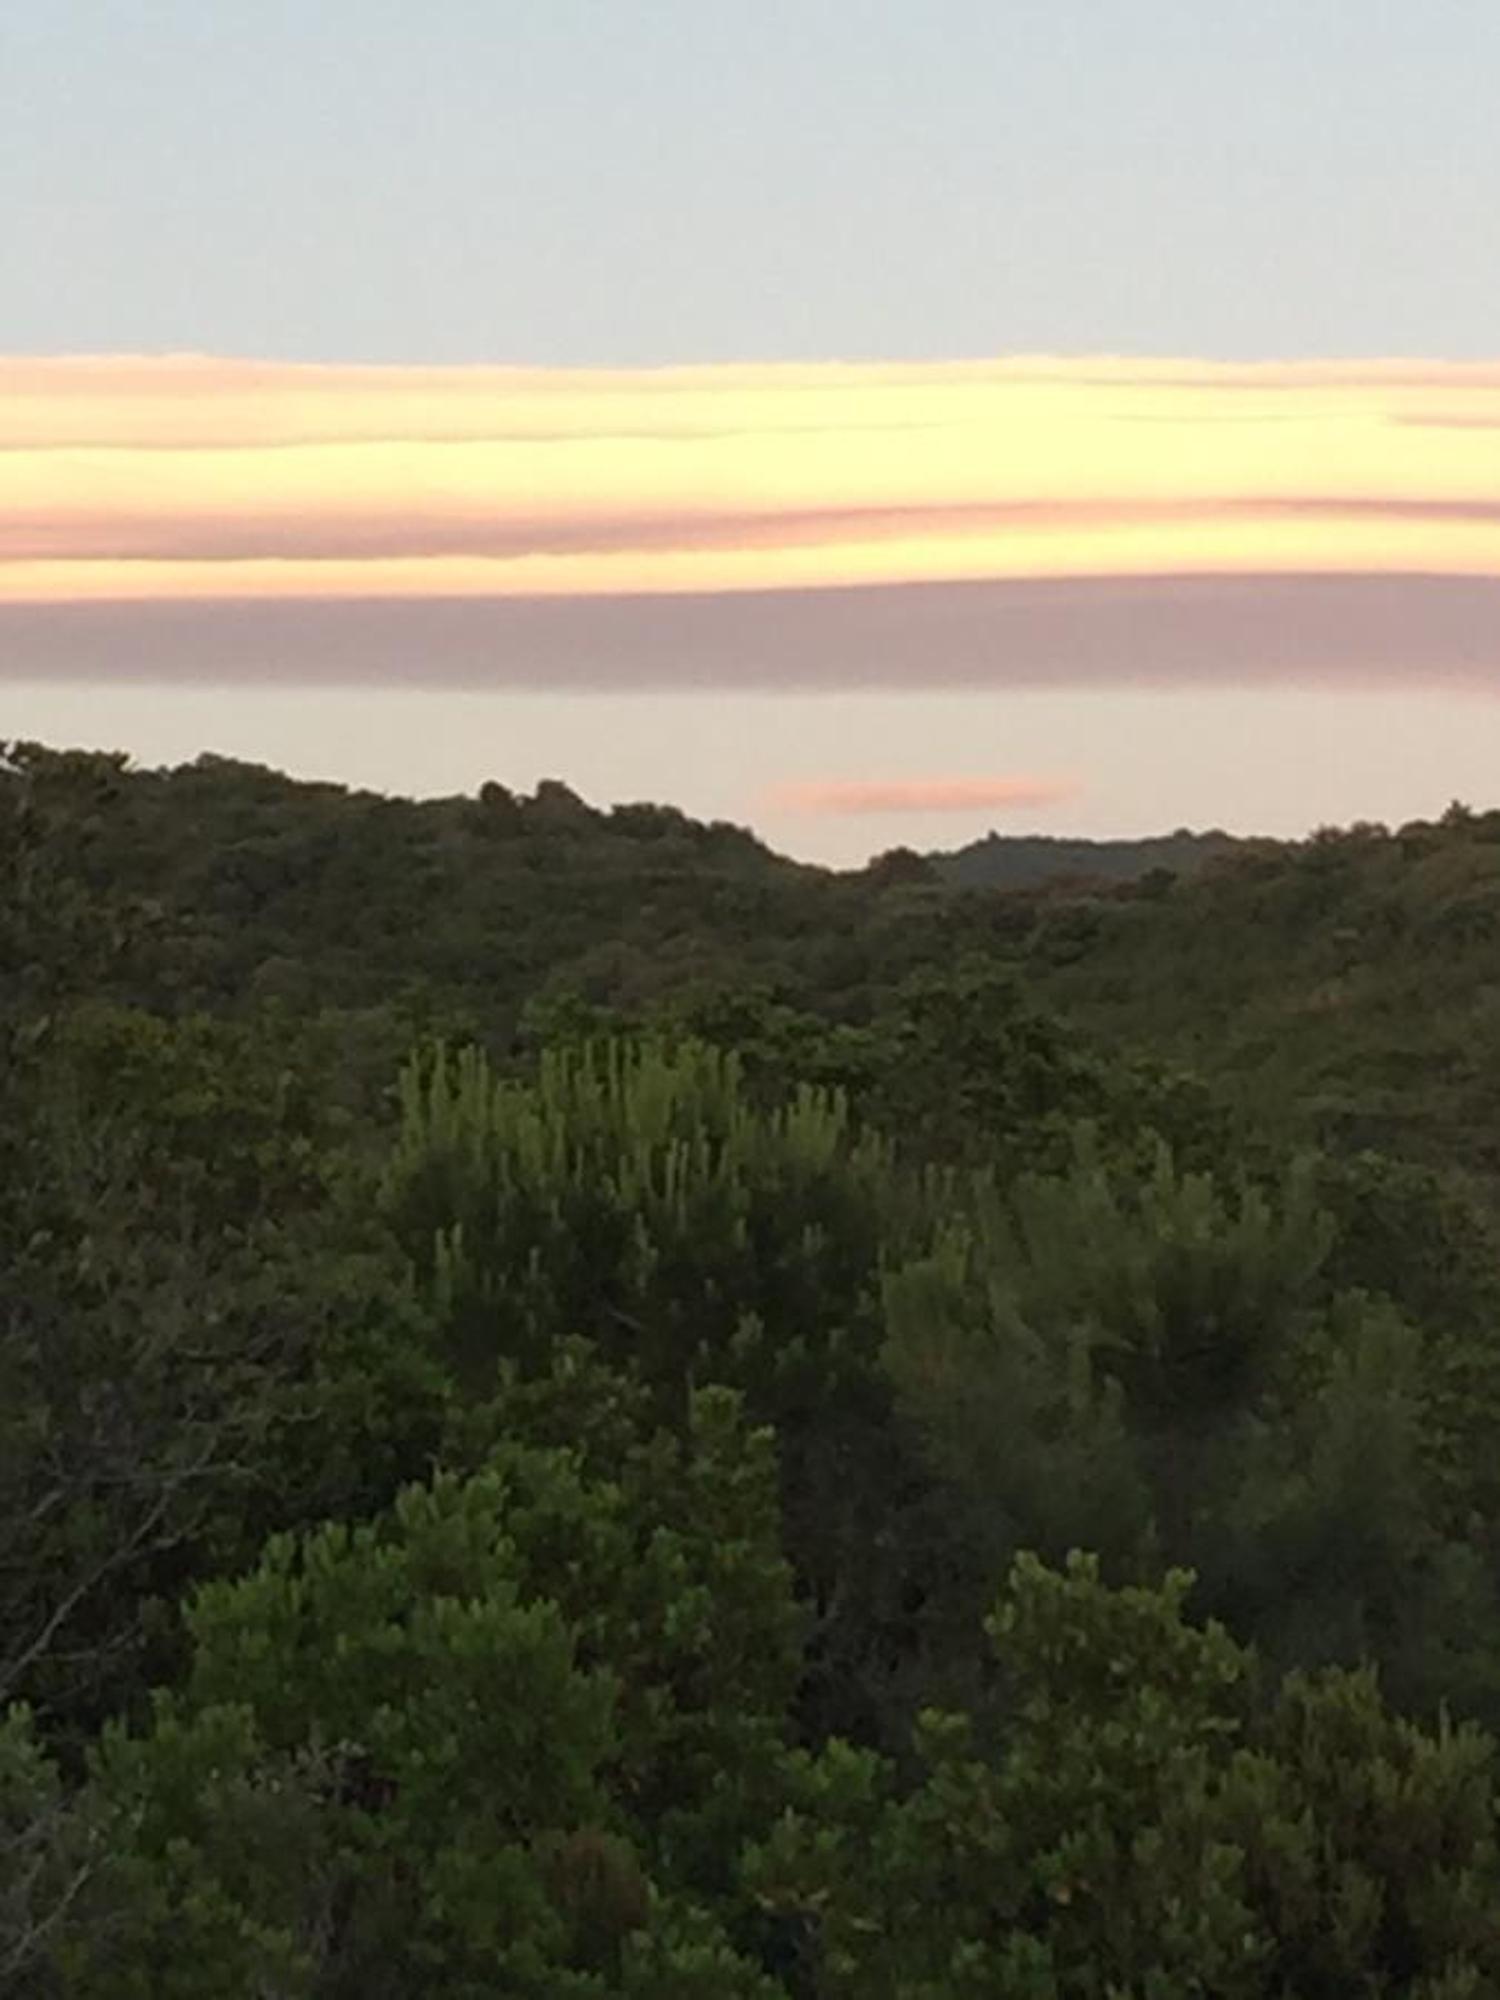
x,y
1352,979
1025,861
1349,983
221,883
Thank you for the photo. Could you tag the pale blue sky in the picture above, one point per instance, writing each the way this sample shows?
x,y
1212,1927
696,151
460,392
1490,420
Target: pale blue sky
x,y
649,180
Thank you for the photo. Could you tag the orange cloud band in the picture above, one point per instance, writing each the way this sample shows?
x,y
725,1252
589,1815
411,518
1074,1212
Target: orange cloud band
x,y
191,479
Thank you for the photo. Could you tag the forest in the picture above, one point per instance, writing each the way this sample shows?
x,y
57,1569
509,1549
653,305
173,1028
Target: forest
x,y
589,1411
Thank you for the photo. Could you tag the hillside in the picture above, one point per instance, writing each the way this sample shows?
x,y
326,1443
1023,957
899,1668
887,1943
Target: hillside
x,y
225,885
1026,861
593,1413
1350,982
1345,985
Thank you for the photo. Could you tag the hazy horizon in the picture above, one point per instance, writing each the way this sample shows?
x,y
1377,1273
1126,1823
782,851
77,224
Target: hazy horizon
x,y
1409,761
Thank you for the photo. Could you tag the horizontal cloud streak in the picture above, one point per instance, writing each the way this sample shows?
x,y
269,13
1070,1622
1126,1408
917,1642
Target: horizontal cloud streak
x,y
183,401
138,534
1214,631
180,479
859,797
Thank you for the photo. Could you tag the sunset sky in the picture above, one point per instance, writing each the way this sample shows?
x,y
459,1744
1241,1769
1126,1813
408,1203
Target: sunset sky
x,y
870,422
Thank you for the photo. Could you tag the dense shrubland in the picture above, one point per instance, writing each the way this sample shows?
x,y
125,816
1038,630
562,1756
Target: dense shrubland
x,y
589,1412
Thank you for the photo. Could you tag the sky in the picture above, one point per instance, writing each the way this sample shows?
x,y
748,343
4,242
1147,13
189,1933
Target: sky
x,y
872,422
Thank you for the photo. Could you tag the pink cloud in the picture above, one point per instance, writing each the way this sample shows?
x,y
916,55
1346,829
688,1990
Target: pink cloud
x,y
132,531
858,796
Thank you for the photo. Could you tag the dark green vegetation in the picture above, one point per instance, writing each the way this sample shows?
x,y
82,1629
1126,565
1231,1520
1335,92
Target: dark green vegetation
x,y
1026,861
589,1412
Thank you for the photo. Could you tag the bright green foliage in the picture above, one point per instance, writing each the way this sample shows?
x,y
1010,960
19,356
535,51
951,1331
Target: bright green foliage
x,y
639,1194
398,1763
635,1193
664,1552
1138,1831
1369,1843
1073,1860
402,1727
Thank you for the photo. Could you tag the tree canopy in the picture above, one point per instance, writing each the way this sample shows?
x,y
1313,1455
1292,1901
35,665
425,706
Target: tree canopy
x,y
591,1412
